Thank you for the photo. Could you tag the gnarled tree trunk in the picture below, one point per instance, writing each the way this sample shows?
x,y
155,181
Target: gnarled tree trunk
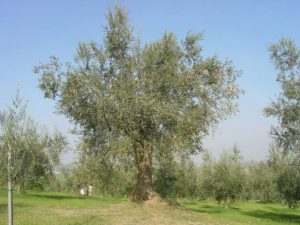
x,y
144,189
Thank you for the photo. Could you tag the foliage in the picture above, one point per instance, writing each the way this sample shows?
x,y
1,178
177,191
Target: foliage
x,y
166,175
34,151
177,179
286,108
105,175
228,177
261,182
207,175
286,58
141,100
287,175
187,182
289,184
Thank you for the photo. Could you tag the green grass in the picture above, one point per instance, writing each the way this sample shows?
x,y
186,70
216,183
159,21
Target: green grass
x,y
38,208
251,212
44,208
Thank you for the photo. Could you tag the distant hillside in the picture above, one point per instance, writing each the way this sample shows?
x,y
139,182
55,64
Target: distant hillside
x,y
60,167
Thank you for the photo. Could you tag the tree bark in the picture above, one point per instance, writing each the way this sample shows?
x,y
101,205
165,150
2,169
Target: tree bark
x,y
144,189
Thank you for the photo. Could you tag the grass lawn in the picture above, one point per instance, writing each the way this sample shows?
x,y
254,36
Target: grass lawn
x,y
34,208
251,212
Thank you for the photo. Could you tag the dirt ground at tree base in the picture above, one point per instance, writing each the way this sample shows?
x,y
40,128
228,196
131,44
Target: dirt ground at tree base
x,y
152,212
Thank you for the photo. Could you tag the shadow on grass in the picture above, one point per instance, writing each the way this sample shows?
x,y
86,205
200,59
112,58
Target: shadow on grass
x,y
205,208
277,216
59,197
271,213
264,202
208,208
3,207
110,200
234,208
275,209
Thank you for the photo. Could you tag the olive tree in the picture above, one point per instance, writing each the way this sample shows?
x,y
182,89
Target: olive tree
x,y
261,181
106,175
207,175
138,99
286,58
228,177
286,175
33,151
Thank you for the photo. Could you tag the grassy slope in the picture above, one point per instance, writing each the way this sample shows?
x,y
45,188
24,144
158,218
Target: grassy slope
x,y
59,209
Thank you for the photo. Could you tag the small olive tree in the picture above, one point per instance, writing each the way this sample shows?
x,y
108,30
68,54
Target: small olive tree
x,y
228,177
287,175
34,152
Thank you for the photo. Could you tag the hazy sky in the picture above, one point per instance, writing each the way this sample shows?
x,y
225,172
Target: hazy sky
x,y
31,31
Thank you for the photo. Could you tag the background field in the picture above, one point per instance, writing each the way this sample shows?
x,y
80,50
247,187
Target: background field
x,y
34,208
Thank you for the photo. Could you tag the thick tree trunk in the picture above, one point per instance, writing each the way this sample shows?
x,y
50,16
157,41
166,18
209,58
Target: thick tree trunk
x,y
143,190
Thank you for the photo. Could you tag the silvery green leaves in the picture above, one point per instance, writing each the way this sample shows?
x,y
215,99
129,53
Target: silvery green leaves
x,y
161,96
34,151
286,58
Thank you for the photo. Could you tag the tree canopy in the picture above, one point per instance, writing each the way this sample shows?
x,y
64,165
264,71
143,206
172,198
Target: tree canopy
x,y
140,100
34,151
286,58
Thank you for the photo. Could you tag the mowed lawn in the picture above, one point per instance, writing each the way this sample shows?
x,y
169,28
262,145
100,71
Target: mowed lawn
x,y
251,212
34,208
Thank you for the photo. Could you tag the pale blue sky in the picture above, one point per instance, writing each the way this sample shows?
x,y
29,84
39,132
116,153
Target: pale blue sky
x,y
31,31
